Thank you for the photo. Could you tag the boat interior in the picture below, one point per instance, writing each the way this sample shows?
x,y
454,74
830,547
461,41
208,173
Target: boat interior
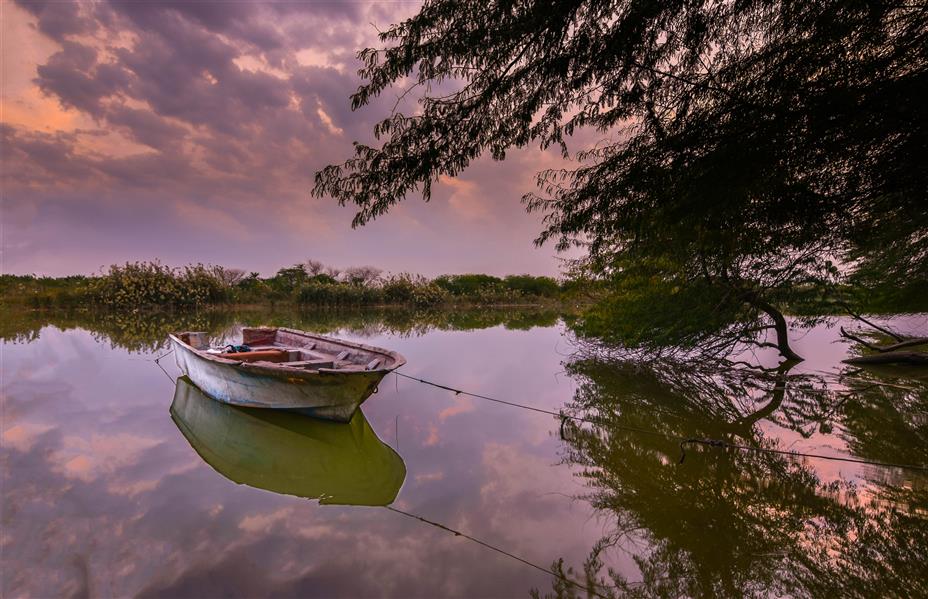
x,y
290,349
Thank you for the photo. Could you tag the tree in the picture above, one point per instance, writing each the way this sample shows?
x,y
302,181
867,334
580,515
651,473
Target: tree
x,y
362,275
315,267
533,286
230,277
288,279
753,144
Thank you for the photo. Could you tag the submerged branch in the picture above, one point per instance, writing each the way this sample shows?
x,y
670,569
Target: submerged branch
x,y
913,358
884,330
887,354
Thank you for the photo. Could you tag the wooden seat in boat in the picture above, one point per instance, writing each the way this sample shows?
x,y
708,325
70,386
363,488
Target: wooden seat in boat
x,y
266,355
311,364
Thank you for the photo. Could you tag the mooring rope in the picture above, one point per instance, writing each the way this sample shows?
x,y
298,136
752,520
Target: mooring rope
x,y
158,363
164,355
458,533
683,441
560,415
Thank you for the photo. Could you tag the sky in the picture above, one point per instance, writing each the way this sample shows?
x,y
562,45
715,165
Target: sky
x,y
191,131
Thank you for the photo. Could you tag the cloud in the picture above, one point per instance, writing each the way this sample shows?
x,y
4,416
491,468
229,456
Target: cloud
x,y
426,477
90,458
98,470
145,127
462,405
58,19
222,111
466,199
214,218
21,437
67,76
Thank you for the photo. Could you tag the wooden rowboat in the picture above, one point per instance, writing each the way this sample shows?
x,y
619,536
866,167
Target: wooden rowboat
x,y
286,369
282,452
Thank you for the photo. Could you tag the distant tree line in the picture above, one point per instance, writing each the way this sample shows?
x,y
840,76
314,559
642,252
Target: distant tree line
x,y
145,285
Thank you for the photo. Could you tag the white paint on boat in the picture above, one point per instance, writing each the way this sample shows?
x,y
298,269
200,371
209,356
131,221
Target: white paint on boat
x,y
335,377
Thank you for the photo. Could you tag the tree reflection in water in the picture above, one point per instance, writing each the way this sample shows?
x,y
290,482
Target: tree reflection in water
x,y
731,523
147,331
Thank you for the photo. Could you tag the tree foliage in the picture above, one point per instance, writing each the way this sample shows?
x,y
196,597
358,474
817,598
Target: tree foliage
x,y
743,137
468,284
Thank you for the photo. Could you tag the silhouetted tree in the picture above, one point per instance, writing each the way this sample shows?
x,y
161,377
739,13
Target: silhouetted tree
x,y
749,145
314,267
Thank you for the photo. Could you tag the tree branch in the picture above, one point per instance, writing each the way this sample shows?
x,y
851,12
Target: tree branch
x,y
912,358
859,340
857,316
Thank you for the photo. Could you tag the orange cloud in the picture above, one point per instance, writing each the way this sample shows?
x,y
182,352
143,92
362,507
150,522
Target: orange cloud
x,y
462,405
432,439
466,199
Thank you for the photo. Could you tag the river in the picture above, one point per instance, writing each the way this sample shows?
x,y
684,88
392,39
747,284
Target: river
x,y
119,480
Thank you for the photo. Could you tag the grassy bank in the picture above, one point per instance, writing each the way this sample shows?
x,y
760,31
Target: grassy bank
x,y
151,285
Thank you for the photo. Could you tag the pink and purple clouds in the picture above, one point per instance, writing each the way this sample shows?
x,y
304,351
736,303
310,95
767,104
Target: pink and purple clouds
x,y
191,131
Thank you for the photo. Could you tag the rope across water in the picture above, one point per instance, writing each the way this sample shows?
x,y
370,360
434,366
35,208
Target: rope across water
x,y
458,533
683,441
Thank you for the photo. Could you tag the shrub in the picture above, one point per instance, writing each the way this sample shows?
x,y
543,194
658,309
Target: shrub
x,y
323,278
429,295
338,294
470,284
143,284
146,284
533,286
44,292
408,289
202,285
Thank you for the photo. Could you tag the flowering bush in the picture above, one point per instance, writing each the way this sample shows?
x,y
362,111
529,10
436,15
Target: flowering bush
x,y
409,289
144,284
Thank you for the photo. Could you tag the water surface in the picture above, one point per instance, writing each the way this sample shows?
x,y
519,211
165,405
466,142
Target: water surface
x,y
118,480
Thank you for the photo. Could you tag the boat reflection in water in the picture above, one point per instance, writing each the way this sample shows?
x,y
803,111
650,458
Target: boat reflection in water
x,y
288,453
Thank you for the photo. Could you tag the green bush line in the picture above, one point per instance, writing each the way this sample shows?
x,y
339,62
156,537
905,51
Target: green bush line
x,y
146,285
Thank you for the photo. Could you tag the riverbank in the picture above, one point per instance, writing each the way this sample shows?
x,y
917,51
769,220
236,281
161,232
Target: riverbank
x,y
151,285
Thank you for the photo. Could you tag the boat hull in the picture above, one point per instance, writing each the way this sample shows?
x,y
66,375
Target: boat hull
x,y
320,394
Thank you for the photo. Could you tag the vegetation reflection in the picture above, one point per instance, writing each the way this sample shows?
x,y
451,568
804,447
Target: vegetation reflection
x,y
148,331
735,524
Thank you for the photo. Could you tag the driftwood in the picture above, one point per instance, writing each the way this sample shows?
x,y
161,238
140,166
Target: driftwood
x,y
887,354
903,342
884,330
913,358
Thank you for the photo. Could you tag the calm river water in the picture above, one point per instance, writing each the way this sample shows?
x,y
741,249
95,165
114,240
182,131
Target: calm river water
x,y
120,481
